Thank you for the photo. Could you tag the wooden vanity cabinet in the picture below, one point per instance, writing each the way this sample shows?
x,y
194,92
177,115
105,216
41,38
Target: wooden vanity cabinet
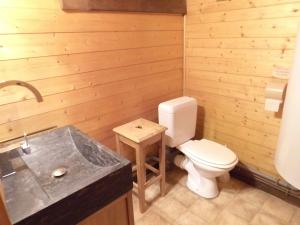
x,y
118,212
4,220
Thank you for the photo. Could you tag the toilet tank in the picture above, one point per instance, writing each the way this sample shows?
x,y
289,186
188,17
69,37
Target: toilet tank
x,y
179,116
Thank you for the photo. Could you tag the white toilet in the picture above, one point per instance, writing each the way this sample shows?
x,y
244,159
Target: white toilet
x,y
204,160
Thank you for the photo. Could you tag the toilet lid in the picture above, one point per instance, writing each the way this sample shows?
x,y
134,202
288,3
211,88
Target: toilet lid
x,y
209,152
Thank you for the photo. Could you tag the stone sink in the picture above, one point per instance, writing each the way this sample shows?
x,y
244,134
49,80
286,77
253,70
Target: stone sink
x,y
94,177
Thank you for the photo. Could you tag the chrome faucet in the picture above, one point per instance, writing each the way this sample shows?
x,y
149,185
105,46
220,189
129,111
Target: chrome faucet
x,y
35,91
25,146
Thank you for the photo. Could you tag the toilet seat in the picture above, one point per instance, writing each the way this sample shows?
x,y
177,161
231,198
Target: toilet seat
x,y
209,153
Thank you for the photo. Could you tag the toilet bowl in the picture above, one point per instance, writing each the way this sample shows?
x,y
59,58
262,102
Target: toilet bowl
x,y
204,160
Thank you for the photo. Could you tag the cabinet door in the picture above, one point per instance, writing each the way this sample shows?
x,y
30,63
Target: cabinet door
x,y
119,212
4,220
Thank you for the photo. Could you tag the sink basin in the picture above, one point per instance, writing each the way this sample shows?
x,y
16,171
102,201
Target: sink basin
x,y
81,157
66,178
91,151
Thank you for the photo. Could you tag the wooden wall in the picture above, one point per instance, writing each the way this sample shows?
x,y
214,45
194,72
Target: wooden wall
x,y
95,70
232,49
98,70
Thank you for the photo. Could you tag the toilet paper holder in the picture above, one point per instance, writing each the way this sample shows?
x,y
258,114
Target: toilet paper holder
x,y
274,96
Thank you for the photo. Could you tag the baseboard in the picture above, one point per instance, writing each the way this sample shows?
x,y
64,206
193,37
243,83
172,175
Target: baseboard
x,y
267,184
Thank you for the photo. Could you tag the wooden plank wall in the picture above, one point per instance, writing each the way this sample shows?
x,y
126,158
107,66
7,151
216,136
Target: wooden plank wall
x,y
95,70
232,49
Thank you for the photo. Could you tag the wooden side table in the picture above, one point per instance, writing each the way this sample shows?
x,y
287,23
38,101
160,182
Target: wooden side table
x,y
138,134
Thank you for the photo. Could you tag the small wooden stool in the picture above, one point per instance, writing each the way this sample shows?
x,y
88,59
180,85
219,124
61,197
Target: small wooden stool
x,y
138,134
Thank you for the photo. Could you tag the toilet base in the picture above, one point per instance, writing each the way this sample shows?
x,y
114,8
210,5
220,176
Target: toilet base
x,y
199,181
205,187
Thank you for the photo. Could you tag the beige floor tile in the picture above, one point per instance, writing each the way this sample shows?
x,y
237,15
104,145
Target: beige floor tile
x,y
205,209
169,208
266,219
151,218
279,208
237,204
183,180
233,186
254,195
189,218
296,218
227,218
238,184
185,196
174,188
177,175
223,199
243,209
136,209
152,193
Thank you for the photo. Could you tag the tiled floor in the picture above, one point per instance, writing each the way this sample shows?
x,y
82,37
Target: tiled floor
x,y
237,204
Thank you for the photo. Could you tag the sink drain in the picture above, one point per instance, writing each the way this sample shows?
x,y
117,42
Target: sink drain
x,y
59,172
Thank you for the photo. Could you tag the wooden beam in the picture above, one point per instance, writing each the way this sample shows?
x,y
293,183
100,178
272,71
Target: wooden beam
x,y
153,6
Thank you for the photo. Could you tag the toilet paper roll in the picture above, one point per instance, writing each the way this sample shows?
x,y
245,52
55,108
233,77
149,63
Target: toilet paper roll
x,y
275,91
274,96
272,105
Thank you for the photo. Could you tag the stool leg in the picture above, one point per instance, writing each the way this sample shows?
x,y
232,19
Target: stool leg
x,y
162,165
118,144
141,177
